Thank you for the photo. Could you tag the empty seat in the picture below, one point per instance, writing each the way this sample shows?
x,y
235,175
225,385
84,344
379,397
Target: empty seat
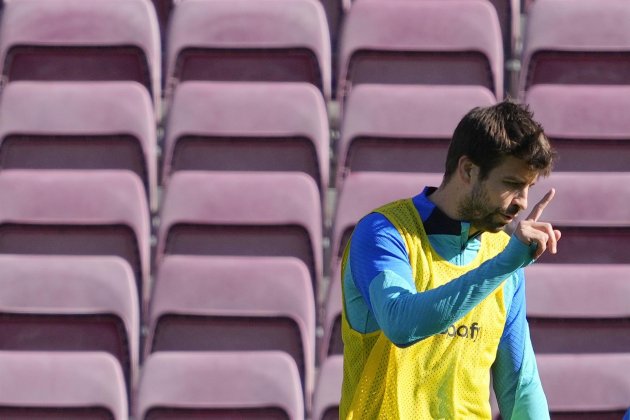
x,y
206,303
66,212
219,385
588,125
576,42
579,308
328,389
363,192
243,213
405,42
77,40
79,125
591,209
332,343
240,40
70,303
61,385
402,128
586,386
248,127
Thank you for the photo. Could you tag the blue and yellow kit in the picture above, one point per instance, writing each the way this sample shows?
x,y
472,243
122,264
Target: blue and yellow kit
x,y
430,314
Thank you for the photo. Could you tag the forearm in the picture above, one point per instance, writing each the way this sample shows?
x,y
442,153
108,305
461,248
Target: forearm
x,y
407,316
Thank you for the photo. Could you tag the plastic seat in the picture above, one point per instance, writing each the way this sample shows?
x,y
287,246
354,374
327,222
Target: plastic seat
x,y
591,209
331,343
61,385
403,42
599,324
576,42
248,127
66,212
257,303
70,303
240,40
586,386
588,125
76,40
79,125
219,385
328,389
363,192
402,128
243,213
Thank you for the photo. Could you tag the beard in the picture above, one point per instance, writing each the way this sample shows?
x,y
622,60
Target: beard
x,y
482,215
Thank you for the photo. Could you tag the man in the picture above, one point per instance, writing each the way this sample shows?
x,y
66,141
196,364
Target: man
x,y
433,288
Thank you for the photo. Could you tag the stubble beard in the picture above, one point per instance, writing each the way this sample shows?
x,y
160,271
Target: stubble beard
x,y
476,210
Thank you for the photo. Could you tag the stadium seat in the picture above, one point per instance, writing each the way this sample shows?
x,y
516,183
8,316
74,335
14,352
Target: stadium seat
x,y
587,125
363,192
404,42
241,40
328,389
591,209
61,385
248,127
243,213
70,40
70,303
257,303
402,128
331,343
579,308
586,386
79,125
576,42
219,385
66,212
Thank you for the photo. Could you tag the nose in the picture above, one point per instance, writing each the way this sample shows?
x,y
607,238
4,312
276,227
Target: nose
x,y
520,199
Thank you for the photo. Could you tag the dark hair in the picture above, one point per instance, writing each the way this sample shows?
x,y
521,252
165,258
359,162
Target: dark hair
x,y
488,135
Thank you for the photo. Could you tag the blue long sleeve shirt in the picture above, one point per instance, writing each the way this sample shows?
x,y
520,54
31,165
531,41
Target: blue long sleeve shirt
x,y
380,294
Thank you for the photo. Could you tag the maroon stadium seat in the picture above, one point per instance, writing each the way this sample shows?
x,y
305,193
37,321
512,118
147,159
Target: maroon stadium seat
x,y
328,389
61,385
332,343
219,385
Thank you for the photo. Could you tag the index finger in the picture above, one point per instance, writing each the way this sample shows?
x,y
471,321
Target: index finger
x,y
540,206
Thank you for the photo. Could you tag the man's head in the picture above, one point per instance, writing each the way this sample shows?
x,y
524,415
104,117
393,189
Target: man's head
x,y
495,155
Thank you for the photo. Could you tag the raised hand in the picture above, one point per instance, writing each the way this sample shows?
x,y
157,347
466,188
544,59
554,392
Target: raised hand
x,y
530,230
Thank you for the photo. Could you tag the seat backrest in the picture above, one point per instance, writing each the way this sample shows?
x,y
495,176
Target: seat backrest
x,y
67,212
402,128
583,42
363,192
599,324
587,125
243,213
70,303
258,303
55,385
79,125
585,386
77,40
403,42
248,127
328,389
239,40
591,232
331,343
219,385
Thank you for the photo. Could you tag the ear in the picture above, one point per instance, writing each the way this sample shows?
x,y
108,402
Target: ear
x,y
467,171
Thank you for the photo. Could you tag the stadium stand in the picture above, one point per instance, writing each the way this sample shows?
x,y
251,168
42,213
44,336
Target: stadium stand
x,y
331,343
219,385
233,126
71,303
241,40
70,40
101,125
403,42
328,389
588,125
61,385
65,212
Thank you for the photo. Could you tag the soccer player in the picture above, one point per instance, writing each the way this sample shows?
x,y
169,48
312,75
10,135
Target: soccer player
x,y
433,287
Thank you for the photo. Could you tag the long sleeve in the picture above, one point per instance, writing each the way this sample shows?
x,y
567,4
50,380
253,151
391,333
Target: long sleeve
x,y
515,374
